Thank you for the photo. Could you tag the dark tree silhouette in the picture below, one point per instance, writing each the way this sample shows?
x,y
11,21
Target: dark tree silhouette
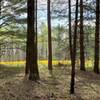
x,y
96,58
70,32
36,33
31,52
74,51
0,7
82,58
49,36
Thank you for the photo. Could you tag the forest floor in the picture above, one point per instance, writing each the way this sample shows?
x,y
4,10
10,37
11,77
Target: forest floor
x,y
14,86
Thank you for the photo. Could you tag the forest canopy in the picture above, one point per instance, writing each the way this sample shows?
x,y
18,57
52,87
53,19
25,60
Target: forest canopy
x,y
46,40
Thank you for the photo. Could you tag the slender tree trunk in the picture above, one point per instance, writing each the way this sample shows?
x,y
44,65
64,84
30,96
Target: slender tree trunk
x,y
0,45
70,32
0,7
96,58
49,37
74,51
36,34
82,58
31,61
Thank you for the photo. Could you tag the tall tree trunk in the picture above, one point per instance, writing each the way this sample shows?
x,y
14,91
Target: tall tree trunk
x,y
82,58
70,32
0,27
74,51
0,7
96,58
36,38
0,45
49,37
31,61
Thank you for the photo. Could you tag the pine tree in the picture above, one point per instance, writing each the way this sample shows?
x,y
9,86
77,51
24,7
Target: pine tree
x,y
74,51
49,36
82,58
96,58
31,52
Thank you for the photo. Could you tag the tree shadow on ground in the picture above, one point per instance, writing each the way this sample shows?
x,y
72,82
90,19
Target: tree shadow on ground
x,y
51,86
9,71
88,77
87,84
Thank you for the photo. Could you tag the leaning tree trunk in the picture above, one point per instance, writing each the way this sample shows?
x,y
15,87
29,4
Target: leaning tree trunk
x,y
31,61
82,58
74,51
49,36
96,58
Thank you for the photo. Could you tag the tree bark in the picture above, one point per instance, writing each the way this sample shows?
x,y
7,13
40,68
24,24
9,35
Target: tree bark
x,y
82,58
0,7
96,56
49,36
36,38
31,61
70,32
74,51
